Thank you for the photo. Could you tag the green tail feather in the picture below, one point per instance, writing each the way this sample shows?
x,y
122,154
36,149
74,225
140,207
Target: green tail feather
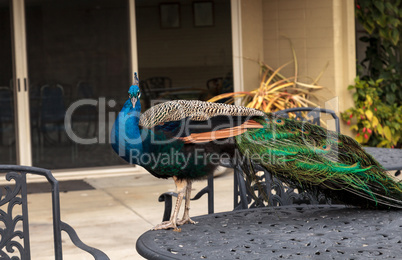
x,y
310,156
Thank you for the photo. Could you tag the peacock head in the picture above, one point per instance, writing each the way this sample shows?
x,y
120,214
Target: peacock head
x,y
134,92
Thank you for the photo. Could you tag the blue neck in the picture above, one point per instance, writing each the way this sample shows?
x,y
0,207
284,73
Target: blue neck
x,y
126,135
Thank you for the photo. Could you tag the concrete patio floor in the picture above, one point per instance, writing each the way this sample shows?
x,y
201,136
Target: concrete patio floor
x,y
113,215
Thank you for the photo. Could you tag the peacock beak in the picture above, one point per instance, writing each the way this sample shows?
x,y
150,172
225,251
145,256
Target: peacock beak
x,y
133,101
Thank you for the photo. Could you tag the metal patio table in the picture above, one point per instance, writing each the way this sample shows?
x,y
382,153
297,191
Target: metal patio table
x,y
289,232
390,159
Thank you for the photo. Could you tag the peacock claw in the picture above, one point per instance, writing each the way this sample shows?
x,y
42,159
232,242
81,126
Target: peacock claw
x,y
186,221
166,225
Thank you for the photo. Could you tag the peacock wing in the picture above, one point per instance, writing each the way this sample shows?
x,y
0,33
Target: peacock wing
x,y
193,121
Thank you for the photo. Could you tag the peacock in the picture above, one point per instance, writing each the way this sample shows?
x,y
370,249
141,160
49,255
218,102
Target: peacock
x,y
187,140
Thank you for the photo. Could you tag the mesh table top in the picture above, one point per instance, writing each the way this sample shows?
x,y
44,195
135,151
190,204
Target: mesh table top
x,y
390,159
291,232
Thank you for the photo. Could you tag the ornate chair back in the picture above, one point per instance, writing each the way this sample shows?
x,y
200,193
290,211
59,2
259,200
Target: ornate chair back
x,y
14,230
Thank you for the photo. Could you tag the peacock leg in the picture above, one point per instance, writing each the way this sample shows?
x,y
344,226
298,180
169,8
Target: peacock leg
x,y
186,216
181,187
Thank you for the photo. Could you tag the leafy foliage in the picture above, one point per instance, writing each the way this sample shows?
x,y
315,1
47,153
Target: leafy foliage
x,y
382,22
381,18
378,91
376,122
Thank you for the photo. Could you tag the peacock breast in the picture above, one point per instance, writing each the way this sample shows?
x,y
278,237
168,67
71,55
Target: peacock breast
x,y
165,156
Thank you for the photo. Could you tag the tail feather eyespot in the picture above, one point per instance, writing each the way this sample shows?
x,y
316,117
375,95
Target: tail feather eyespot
x,y
292,130
326,147
304,131
279,121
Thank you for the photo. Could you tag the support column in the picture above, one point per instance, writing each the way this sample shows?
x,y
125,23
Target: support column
x,y
344,54
21,85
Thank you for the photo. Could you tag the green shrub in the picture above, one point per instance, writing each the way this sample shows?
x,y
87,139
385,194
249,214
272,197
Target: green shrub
x,y
376,122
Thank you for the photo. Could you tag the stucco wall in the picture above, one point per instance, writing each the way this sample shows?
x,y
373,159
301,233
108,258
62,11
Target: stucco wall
x,y
252,42
322,32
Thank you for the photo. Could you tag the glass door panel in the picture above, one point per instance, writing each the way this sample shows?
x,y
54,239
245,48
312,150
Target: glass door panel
x,y
7,123
79,73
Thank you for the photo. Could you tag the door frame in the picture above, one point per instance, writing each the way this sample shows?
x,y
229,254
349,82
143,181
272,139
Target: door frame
x,y
21,84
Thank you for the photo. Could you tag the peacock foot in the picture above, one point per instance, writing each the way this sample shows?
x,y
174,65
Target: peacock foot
x,y
167,225
186,221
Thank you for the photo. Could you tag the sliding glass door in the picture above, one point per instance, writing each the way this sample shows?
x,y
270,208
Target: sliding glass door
x,y
64,73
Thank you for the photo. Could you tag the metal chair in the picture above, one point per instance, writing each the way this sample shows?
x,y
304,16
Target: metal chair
x,y
220,85
6,114
167,198
52,112
214,85
152,87
7,132
14,228
85,116
313,115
